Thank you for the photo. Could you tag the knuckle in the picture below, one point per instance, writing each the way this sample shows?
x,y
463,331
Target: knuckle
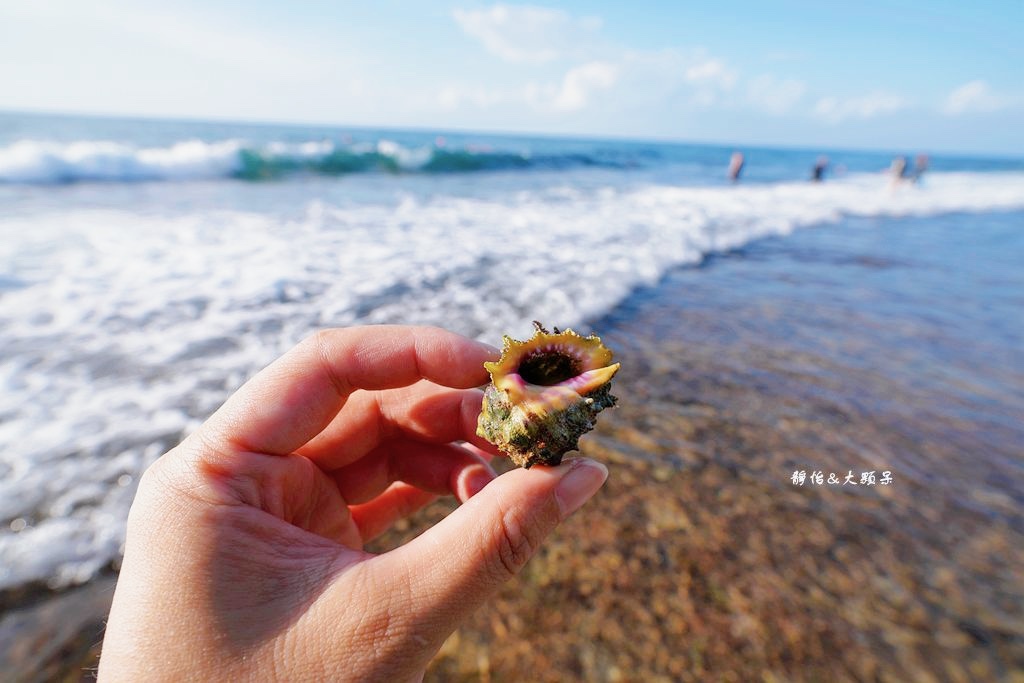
x,y
165,476
322,341
518,539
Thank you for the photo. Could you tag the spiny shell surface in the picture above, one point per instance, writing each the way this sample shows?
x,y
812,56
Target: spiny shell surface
x,y
545,393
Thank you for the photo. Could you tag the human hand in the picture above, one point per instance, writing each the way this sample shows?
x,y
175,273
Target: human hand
x,y
244,555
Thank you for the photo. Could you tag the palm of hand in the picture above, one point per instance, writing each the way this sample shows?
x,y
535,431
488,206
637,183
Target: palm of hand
x,y
280,531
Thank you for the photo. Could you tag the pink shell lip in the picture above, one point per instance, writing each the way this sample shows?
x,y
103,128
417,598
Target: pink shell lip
x,y
539,399
578,365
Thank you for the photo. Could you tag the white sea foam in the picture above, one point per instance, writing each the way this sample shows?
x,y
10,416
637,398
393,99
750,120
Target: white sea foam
x,y
127,329
29,161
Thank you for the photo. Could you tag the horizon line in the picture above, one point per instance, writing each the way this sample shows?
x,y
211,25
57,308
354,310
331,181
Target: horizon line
x,y
611,137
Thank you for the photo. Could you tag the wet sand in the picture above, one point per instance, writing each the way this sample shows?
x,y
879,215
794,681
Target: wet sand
x,y
701,559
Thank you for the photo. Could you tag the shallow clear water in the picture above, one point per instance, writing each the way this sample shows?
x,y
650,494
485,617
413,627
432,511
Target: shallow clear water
x,y
910,322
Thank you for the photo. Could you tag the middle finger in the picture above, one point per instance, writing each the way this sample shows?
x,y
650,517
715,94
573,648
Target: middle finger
x,y
423,411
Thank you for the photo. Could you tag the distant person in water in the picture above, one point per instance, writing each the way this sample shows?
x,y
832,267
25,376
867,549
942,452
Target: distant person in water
x,y
735,166
898,170
818,172
920,166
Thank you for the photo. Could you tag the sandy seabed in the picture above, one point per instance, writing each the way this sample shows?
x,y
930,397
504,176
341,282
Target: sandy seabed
x,y
701,560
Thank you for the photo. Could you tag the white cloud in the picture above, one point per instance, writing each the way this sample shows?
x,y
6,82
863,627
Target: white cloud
x,y
575,91
581,82
773,95
836,110
977,97
711,71
666,79
531,35
525,34
673,77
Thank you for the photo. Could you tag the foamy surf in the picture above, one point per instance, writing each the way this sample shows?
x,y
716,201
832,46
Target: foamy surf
x,y
123,329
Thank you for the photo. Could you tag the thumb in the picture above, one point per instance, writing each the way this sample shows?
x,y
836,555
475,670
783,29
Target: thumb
x,y
459,563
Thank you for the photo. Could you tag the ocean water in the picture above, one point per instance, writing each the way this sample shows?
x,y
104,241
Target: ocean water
x,y
148,268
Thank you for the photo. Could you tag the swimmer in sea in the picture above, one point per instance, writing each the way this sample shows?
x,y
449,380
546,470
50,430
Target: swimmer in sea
x,y
735,166
898,170
818,172
920,166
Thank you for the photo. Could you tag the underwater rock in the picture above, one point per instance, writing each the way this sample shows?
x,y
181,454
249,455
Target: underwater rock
x,y
544,394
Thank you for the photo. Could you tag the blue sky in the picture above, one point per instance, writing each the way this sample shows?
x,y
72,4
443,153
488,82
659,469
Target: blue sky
x,y
906,75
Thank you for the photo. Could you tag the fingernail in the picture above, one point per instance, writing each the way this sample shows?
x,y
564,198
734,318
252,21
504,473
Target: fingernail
x,y
581,482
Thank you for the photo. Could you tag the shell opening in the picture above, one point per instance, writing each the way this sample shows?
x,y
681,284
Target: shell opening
x,y
548,367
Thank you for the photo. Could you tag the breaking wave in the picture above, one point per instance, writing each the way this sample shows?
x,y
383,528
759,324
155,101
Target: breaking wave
x,y
35,162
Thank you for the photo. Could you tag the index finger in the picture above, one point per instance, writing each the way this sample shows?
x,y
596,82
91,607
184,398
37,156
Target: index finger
x,y
295,398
